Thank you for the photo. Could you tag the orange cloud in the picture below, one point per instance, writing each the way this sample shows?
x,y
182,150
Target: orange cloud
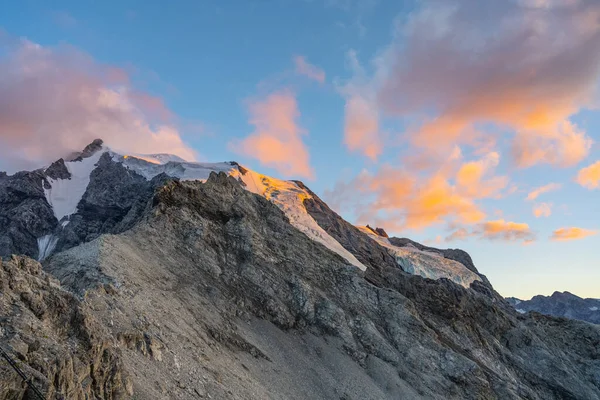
x,y
277,139
313,72
589,177
458,65
573,233
473,178
506,230
542,210
55,100
361,122
535,193
362,127
399,199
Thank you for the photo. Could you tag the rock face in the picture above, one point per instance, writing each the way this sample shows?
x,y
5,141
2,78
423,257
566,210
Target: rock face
x,y
112,202
54,338
563,304
183,289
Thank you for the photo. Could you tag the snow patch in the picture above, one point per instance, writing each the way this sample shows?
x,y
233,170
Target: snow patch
x,y
593,308
65,194
46,245
289,197
521,311
517,302
427,264
151,165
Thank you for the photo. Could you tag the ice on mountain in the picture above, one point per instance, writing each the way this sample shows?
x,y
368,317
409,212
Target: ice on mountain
x,y
427,264
46,245
289,197
521,311
593,308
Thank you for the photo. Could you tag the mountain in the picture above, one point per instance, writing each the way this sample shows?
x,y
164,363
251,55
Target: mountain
x,y
161,278
564,304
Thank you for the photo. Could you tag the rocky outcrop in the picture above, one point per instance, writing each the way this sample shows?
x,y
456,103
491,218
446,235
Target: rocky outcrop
x,y
350,237
54,338
561,304
25,215
113,202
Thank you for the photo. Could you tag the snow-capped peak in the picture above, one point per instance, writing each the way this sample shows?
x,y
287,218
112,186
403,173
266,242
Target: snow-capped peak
x,y
65,194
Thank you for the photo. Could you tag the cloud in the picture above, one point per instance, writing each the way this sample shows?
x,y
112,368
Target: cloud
x,y
542,210
589,177
457,66
505,230
494,230
398,199
361,122
277,139
55,100
573,233
313,72
535,193
64,19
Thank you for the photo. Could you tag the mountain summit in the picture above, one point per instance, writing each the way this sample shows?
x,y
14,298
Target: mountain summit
x,y
164,278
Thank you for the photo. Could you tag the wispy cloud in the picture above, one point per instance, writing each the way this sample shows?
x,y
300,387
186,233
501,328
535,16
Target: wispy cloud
x,y
535,193
64,19
304,68
589,177
572,233
55,100
505,230
277,139
542,210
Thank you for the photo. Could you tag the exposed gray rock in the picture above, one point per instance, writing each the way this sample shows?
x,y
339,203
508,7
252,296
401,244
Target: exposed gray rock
x,y
563,304
54,338
58,170
366,250
25,215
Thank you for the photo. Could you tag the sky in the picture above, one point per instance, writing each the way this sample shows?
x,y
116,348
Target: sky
x,y
456,123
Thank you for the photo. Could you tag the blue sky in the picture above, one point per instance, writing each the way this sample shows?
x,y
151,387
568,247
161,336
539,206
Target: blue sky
x,y
211,61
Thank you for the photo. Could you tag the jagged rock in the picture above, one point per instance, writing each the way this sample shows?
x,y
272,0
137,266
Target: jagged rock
x,y
25,215
55,338
58,170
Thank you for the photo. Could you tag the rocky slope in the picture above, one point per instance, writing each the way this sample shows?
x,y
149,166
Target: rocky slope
x,y
563,304
241,286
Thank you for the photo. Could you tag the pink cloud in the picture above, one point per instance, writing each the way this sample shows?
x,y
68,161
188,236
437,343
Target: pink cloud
x,y
361,123
57,100
535,193
313,72
277,139
542,210
527,69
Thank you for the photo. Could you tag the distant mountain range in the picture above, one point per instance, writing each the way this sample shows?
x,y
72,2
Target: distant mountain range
x,y
560,304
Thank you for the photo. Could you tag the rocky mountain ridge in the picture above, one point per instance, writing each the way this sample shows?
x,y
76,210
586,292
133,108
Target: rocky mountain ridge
x,y
213,281
560,304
